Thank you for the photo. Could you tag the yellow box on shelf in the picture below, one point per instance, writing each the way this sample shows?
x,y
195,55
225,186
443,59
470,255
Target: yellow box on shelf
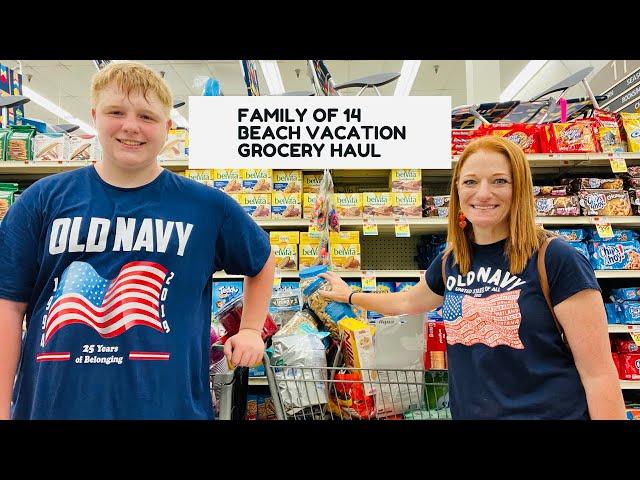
x,y
256,180
257,205
308,252
407,204
287,181
284,237
377,204
345,236
204,175
348,205
286,256
306,237
405,180
308,200
286,205
227,180
345,250
311,182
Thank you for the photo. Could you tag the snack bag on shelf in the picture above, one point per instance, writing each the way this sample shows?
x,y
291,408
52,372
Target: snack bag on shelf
x,y
608,133
7,197
460,138
4,137
524,135
631,122
575,137
550,190
558,206
605,202
615,255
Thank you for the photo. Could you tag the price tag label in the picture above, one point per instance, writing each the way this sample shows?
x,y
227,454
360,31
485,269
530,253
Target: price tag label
x,y
369,226
368,282
402,228
618,165
636,338
314,231
603,227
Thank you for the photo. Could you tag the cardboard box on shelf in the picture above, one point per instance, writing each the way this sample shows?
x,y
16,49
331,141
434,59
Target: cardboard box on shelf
x,y
287,181
377,204
311,182
227,180
256,180
257,205
405,180
286,205
308,200
348,205
176,146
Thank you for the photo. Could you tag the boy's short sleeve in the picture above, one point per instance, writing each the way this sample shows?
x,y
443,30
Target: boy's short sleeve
x,y
243,247
568,271
19,248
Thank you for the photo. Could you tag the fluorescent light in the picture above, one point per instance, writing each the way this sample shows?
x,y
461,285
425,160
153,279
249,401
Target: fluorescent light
x,y
56,110
526,74
407,77
272,75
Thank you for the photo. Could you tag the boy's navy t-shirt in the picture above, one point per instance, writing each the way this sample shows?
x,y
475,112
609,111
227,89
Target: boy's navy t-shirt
x,y
506,357
118,282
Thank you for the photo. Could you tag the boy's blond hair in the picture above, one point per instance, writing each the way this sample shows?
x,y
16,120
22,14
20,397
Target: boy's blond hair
x,y
131,77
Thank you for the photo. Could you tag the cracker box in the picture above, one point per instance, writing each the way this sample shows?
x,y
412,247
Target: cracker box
x,y
286,205
227,180
256,180
204,176
407,204
83,148
348,205
309,253
286,256
308,200
358,350
257,205
177,145
377,204
405,180
306,237
287,181
311,182
223,292
345,256
276,236
50,147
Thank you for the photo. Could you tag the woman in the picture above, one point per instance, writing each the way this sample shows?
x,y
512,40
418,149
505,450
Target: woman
x,y
507,359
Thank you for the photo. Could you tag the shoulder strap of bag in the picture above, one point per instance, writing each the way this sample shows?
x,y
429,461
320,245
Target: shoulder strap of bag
x,y
544,283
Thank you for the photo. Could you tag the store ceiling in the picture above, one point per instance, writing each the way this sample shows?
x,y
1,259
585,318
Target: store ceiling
x,y
67,82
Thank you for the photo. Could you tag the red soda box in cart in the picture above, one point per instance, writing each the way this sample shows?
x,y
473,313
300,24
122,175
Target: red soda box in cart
x,y
630,364
435,357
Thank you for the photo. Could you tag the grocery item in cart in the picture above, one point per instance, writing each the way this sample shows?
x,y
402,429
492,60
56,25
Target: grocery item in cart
x,y
300,371
230,316
283,305
328,311
347,398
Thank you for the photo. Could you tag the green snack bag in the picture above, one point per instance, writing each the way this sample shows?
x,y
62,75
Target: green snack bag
x,y
7,190
4,135
19,147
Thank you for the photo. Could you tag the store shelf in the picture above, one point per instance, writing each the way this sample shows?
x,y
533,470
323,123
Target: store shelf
x,y
573,159
617,273
624,328
46,168
355,274
258,381
630,384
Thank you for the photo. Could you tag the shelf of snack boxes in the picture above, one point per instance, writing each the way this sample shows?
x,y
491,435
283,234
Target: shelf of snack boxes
x,y
573,159
412,274
49,167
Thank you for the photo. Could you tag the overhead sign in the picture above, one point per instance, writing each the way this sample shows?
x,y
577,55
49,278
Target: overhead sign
x,y
320,132
619,81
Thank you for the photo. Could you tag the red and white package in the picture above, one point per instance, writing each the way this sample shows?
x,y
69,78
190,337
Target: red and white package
x,y
630,365
624,345
522,134
574,137
460,138
616,361
435,355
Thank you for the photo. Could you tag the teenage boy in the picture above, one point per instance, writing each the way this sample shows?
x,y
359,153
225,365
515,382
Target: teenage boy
x,y
112,265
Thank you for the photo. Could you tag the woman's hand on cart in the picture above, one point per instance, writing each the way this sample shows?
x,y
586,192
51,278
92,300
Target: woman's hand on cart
x,y
245,348
340,291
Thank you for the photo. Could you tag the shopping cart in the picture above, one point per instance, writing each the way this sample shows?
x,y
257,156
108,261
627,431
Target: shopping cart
x,y
340,393
229,387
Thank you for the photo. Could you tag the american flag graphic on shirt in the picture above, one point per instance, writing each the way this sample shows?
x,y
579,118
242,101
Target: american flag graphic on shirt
x,y
492,320
110,307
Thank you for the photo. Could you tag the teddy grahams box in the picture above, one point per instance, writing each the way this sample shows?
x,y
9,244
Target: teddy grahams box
x,y
227,179
285,249
286,205
406,180
256,180
348,205
258,205
287,181
345,250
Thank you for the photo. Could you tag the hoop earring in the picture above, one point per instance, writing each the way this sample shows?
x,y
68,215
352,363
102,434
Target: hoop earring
x,y
462,221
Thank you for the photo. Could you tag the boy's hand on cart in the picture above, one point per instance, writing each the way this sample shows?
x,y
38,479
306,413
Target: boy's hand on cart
x,y
245,348
340,291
